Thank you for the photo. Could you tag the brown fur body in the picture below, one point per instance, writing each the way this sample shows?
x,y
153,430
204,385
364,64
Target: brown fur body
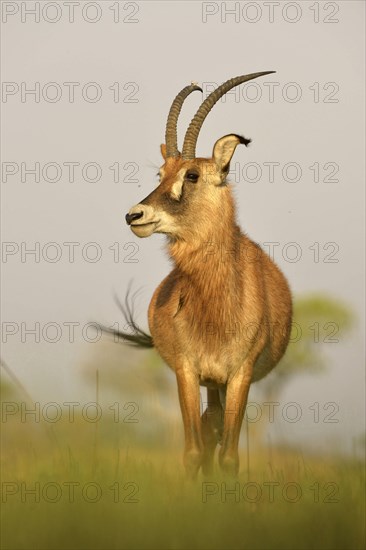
x,y
197,314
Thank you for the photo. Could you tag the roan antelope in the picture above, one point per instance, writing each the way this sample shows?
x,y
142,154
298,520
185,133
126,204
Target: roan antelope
x,y
222,317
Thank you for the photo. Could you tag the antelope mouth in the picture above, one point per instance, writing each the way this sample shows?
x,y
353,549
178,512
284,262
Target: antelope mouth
x,y
143,229
142,224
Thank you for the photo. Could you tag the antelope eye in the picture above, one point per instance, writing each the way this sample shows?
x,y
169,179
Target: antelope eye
x,y
192,177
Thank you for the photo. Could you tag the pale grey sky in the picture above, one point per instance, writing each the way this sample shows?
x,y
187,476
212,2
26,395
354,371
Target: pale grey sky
x,y
306,122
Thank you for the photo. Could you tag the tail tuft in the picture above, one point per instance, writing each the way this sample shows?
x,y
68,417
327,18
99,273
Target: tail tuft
x,y
138,338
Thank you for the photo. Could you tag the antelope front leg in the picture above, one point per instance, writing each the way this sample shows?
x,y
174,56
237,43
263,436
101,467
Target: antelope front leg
x,y
189,398
236,400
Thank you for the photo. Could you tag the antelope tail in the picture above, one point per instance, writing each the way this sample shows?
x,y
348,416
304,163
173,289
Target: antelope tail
x,y
137,337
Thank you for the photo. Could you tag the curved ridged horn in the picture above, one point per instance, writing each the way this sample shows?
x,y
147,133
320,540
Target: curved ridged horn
x,y
190,140
171,125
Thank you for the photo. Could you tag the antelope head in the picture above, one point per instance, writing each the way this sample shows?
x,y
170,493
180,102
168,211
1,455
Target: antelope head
x,y
191,191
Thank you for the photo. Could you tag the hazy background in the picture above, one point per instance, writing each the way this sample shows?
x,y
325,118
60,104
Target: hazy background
x,y
154,50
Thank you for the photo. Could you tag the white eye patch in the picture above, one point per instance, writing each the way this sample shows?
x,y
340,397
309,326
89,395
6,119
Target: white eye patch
x,y
177,187
176,191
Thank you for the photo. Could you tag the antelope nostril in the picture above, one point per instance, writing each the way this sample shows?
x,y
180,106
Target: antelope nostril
x,y
131,217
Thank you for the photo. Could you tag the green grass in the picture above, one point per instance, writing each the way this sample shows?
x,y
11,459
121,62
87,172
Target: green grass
x,y
156,507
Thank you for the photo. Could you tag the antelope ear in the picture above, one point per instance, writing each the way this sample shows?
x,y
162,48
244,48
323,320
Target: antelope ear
x,y
163,150
224,149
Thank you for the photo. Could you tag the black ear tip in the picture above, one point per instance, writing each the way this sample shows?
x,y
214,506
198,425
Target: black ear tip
x,y
244,140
